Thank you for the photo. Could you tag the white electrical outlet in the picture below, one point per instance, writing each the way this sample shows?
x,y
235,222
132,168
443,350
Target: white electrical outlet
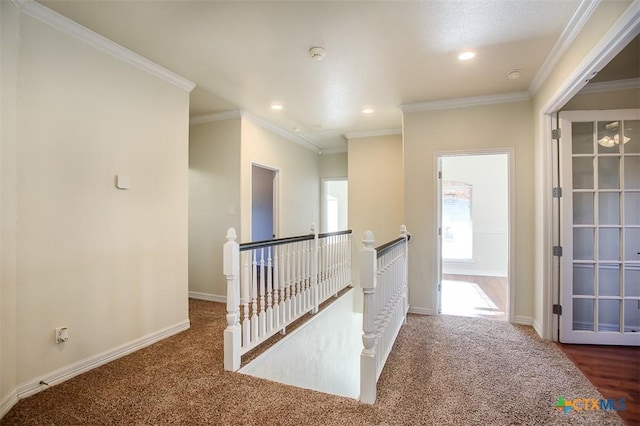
x,y
61,334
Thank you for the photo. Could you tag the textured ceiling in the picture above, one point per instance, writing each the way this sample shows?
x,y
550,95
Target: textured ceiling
x,y
247,55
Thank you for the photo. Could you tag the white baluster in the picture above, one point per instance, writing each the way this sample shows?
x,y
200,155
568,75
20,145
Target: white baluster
x,y
246,297
269,291
254,297
314,270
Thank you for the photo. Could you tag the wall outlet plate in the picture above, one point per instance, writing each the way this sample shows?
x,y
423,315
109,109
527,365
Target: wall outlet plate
x,y
61,334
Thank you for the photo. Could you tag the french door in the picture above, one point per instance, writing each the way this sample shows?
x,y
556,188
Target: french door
x,y
600,227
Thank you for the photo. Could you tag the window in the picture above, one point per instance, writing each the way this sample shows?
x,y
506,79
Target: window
x,y
457,228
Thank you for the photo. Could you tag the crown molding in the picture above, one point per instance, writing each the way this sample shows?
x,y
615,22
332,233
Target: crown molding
x,y
219,116
373,133
297,138
329,151
619,35
578,20
466,102
69,27
611,86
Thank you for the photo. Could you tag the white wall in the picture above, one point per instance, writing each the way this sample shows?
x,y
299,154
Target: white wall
x,y
334,165
429,132
376,195
488,176
298,177
9,36
214,201
109,264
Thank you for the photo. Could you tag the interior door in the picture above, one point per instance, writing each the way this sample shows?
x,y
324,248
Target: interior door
x,y
262,203
600,227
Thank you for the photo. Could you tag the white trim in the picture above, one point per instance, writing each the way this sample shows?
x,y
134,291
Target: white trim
x,y
340,150
473,101
8,402
373,133
577,21
538,328
299,139
82,366
219,116
452,269
523,320
207,296
420,311
618,36
67,26
611,86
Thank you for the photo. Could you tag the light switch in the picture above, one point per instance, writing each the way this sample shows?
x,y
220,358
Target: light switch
x,y
123,182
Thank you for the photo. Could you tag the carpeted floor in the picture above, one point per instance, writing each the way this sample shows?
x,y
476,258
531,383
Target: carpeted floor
x,y
443,371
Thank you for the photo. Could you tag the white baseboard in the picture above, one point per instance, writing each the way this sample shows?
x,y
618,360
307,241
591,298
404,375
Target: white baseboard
x,y
474,272
522,320
420,311
207,296
8,402
70,371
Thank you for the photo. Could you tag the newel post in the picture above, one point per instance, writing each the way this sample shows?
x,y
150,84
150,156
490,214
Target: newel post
x,y
232,334
314,270
368,364
404,234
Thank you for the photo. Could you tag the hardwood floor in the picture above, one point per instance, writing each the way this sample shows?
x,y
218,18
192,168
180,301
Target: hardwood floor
x,y
474,296
614,371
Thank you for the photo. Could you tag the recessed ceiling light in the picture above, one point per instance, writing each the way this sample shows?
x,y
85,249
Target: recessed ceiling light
x,y
277,107
467,55
368,111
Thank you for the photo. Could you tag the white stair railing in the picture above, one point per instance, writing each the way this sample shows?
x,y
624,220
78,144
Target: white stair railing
x,y
272,283
383,278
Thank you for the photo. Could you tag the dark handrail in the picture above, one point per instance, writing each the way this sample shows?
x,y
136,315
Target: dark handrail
x,y
386,247
274,242
278,241
331,234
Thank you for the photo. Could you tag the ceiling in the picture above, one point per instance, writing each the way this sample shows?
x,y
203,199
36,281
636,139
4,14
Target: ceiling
x,y
379,55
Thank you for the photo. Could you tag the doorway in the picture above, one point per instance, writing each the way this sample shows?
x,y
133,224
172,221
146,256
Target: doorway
x,y
334,195
264,205
475,237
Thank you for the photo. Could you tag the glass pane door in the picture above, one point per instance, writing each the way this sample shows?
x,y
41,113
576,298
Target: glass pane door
x,y
601,227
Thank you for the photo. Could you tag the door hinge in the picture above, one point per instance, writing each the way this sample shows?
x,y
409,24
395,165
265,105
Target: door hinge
x,y
555,134
557,192
557,251
439,231
439,174
439,287
557,309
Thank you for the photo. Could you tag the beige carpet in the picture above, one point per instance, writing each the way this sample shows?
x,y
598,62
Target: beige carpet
x,y
443,371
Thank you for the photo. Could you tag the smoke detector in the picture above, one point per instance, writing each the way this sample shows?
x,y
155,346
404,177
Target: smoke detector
x,y
317,53
513,74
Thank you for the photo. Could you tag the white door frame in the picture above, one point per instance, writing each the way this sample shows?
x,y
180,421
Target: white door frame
x,y
276,197
618,36
510,153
